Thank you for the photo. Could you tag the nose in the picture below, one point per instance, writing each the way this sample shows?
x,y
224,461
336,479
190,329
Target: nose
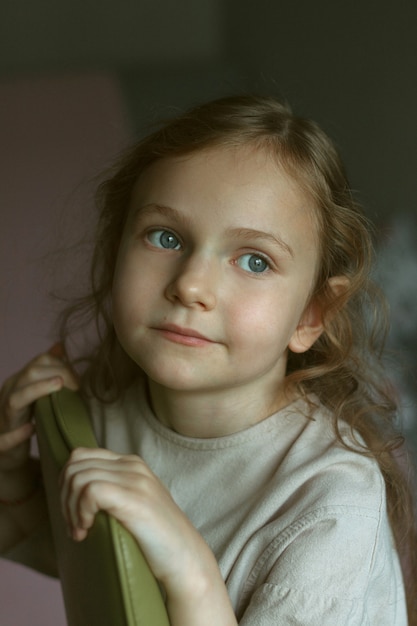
x,y
195,283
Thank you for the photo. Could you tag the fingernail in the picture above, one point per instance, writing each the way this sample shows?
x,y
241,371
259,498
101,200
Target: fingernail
x,y
57,350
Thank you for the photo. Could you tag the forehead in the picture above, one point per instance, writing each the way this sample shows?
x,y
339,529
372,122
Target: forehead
x,y
242,184
240,168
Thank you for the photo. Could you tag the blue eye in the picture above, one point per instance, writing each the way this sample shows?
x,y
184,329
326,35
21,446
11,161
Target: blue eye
x,y
164,239
253,263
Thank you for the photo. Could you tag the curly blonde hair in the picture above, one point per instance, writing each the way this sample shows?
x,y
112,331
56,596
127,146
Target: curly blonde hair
x,y
344,367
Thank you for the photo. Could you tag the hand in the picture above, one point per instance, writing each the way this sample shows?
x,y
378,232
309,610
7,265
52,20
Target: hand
x,y
125,487
43,375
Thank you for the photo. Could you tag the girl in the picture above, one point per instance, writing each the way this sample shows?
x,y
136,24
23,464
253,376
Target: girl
x,y
236,387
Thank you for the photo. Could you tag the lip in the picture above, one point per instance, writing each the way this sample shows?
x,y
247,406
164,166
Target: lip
x,y
185,336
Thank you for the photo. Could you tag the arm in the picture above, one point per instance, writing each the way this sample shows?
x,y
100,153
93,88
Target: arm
x,y
179,557
23,511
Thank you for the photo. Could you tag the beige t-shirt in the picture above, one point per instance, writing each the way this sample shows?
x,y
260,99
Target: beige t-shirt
x,y
298,523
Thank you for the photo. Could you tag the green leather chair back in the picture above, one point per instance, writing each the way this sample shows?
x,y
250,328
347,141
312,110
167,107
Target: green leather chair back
x,y
105,579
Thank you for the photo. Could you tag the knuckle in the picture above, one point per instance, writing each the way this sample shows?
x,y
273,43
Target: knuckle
x,y
73,483
72,457
13,401
89,491
144,486
76,455
42,359
33,374
133,458
135,462
12,407
77,482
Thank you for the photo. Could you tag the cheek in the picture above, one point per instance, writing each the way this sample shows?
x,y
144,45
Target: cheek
x,y
266,320
133,282
126,299
253,319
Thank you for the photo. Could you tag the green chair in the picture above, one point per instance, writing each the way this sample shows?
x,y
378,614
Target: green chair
x,y
105,579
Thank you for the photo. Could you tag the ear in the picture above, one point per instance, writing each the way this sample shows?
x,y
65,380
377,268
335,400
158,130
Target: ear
x,y
311,324
308,330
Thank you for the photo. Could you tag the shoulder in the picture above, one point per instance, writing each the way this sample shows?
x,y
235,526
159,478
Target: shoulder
x,y
329,556
327,494
319,470
329,549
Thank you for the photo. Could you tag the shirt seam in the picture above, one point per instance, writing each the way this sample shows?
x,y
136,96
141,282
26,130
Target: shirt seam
x,y
329,513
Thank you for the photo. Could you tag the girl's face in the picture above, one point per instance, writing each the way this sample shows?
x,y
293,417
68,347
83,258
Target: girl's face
x,y
214,272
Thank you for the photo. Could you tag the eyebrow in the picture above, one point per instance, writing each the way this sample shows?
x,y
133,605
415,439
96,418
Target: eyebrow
x,y
161,209
259,235
249,234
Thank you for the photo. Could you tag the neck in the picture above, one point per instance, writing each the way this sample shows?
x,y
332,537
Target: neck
x,y
212,414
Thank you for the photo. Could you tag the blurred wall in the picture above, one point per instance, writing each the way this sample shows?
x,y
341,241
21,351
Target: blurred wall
x,y
56,134
79,78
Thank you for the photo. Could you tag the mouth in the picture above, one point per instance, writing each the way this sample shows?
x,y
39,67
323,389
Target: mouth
x,y
185,336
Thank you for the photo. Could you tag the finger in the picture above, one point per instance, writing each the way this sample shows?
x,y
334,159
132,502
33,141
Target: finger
x,y
54,358
58,350
103,494
17,403
104,454
83,503
81,479
74,479
77,475
14,438
43,359
78,534
43,367
80,454
84,458
101,460
47,366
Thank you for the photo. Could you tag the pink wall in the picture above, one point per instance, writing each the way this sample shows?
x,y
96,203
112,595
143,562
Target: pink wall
x,y
56,133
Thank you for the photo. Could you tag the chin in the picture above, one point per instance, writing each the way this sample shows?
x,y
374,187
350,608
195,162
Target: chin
x,y
175,378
